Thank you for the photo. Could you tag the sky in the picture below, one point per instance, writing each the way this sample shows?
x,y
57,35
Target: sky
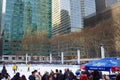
x,y
4,1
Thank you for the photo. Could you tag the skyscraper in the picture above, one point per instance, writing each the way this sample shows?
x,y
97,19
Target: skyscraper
x,y
103,4
1,3
23,17
76,14
71,14
1,16
56,18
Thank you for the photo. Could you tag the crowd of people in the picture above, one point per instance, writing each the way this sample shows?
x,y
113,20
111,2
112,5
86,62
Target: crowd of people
x,y
57,75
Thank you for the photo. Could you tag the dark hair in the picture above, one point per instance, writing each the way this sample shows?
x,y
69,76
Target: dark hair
x,y
56,70
35,70
4,66
18,73
23,77
60,71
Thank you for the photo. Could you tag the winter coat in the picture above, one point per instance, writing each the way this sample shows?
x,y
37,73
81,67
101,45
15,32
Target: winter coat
x,y
83,77
31,77
4,71
60,77
16,77
23,77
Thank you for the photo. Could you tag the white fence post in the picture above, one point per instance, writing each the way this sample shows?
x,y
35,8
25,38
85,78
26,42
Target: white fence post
x,y
78,54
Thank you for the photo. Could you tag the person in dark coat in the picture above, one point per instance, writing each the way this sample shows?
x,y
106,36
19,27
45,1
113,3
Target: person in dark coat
x,y
56,74
32,77
16,76
1,76
68,75
55,77
60,76
4,71
45,76
118,76
96,75
23,77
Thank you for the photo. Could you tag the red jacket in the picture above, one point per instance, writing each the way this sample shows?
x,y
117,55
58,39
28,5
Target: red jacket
x,y
83,77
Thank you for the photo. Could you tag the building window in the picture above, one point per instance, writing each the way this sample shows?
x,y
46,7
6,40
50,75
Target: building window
x,y
13,58
19,58
5,58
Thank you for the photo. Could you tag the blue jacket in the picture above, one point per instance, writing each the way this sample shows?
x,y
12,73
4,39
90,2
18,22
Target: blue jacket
x,y
31,77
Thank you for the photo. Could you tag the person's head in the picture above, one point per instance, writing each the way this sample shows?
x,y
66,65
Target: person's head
x,y
50,78
83,72
23,77
56,70
65,70
4,67
17,74
33,73
46,73
96,71
60,71
68,69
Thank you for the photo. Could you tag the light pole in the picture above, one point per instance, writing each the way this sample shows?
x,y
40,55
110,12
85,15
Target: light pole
x,y
26,58
62,57
78,54
50,58
102,51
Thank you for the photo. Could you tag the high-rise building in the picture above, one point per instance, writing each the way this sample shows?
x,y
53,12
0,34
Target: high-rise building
x,y
60,17
23,17
1,3
1,15
79,9
68,15
103,4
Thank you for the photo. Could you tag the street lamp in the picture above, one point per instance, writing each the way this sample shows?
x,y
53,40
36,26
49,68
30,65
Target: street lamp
x,y
102,51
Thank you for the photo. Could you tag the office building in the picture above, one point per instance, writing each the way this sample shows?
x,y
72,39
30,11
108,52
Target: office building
x,y
101,5
70,14
23,17
1,4
79,9
60,17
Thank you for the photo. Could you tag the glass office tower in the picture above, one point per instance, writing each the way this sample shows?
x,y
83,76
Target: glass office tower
x,y
103,4
79,9
1,3
23,17
13,26
72,13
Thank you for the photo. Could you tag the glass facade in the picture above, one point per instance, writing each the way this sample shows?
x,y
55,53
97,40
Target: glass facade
x,y
90,7
44,7
103,4
72,13
22,17
76,15
79,9
60,16
56,18
1,3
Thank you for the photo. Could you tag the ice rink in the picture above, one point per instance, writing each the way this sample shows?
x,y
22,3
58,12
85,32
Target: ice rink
x,y
22,68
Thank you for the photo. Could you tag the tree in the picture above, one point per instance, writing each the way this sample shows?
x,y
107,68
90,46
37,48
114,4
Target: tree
x,y
36,43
